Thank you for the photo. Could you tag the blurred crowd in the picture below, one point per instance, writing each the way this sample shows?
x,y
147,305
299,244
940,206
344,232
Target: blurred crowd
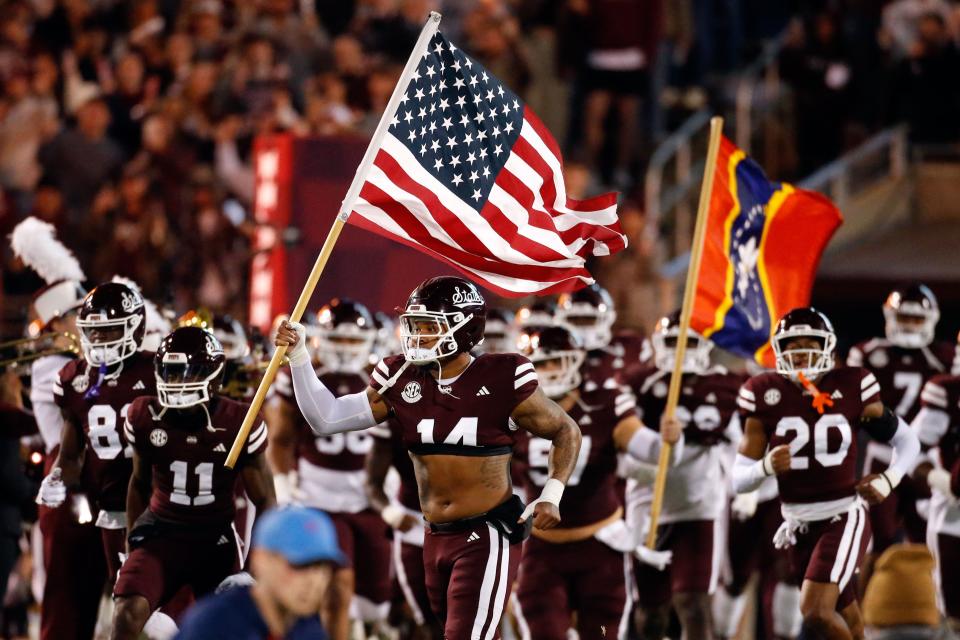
x,y
129,124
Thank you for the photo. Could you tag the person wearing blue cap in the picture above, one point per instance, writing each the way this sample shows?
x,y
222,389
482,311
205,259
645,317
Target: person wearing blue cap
x,y
294,554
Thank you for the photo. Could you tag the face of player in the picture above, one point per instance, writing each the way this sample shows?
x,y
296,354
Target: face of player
x,y
560,375
911,323
298,590
802,352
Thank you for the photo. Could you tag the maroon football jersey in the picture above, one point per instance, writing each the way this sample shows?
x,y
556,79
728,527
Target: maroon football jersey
x,y
823,447
407,493
469,416
190,484
707,402
101,418
939,425
591,492
902,372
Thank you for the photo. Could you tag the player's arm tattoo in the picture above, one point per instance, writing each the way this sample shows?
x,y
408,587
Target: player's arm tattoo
x,y
754,442
282,436
377,465
542,417
258,481
70,458
138,491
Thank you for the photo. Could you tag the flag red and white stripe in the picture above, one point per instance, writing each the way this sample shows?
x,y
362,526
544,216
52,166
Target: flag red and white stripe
x,y
464,171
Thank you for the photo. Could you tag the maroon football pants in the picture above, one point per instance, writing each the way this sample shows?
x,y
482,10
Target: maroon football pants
x,y
469,577
411,579
76,572
363,539
557,579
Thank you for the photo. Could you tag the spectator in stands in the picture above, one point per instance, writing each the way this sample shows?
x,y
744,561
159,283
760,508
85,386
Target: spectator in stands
x,y
82,157
27,120
815,62
926,91
901,23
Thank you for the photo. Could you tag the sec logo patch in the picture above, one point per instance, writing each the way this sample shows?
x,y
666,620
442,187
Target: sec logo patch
x,y
158,437
772,396
411,392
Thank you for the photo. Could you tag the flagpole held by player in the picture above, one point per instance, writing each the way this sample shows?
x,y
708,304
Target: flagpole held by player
x,y
431,26
696,252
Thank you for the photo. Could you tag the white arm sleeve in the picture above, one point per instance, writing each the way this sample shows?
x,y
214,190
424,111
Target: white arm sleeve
x,y
748,474
645,444
325,413
906,448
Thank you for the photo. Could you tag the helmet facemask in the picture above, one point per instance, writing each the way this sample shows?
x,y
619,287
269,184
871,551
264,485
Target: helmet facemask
x,y
812,359
181,385
419,327
558,372
344,349
592,325
911,325
696,357
108,341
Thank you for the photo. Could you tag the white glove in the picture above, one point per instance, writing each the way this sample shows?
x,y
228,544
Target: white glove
x,y
286,487
552,492
618,537
393,515
656,559
298,354
939,480
744,505
52,490
242,579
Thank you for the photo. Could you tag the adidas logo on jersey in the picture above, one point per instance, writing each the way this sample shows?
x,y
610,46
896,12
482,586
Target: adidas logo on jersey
x,y
483,392
836,395
220,448
223,540
139,385
473,537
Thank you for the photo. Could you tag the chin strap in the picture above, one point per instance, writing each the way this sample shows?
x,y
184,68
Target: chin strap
x,y
820,399
102,375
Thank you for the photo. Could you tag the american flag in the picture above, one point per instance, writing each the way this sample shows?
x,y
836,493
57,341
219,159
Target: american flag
x,y
466,172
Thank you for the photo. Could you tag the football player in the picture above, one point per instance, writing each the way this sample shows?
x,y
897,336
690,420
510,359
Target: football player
x,y
938,427
93,395
690,520
327,472
589,314
800,425
459,415
583,565
180,502
500,334
902,362
404,517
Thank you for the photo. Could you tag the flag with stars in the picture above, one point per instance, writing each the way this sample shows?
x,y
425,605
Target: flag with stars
x,y
761,248
467,173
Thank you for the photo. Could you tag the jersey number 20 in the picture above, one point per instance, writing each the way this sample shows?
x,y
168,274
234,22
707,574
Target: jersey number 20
x,y
821,432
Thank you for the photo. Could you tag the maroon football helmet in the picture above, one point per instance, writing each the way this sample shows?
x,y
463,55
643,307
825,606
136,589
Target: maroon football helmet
x,y
189,368
590,314
111,323
911,315
443,317
499,336
812,360
539,312
557,354
696,357
345,334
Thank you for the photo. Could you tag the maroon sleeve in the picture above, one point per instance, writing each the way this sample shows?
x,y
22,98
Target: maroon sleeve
x,y
747,398
525,380
62,388
133,427
385,369
256,442
869,386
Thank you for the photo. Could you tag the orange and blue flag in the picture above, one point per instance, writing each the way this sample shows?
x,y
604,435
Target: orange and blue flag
x,y
762,245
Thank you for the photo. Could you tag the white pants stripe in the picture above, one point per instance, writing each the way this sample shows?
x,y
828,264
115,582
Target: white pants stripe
x,y
854,553
624,627
418,616
843,551
487,587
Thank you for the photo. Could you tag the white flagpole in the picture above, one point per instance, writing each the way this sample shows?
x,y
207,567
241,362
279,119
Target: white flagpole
x,y
430,28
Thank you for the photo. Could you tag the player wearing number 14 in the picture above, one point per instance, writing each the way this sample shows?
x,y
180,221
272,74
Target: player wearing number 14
x,y
800,425
180,503
93,394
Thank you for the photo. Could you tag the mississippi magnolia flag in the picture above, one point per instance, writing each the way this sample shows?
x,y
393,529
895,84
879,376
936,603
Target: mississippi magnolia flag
x,y
761,248
467,173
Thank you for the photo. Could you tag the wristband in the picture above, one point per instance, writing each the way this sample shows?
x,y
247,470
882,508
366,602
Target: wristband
x,y
552,492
